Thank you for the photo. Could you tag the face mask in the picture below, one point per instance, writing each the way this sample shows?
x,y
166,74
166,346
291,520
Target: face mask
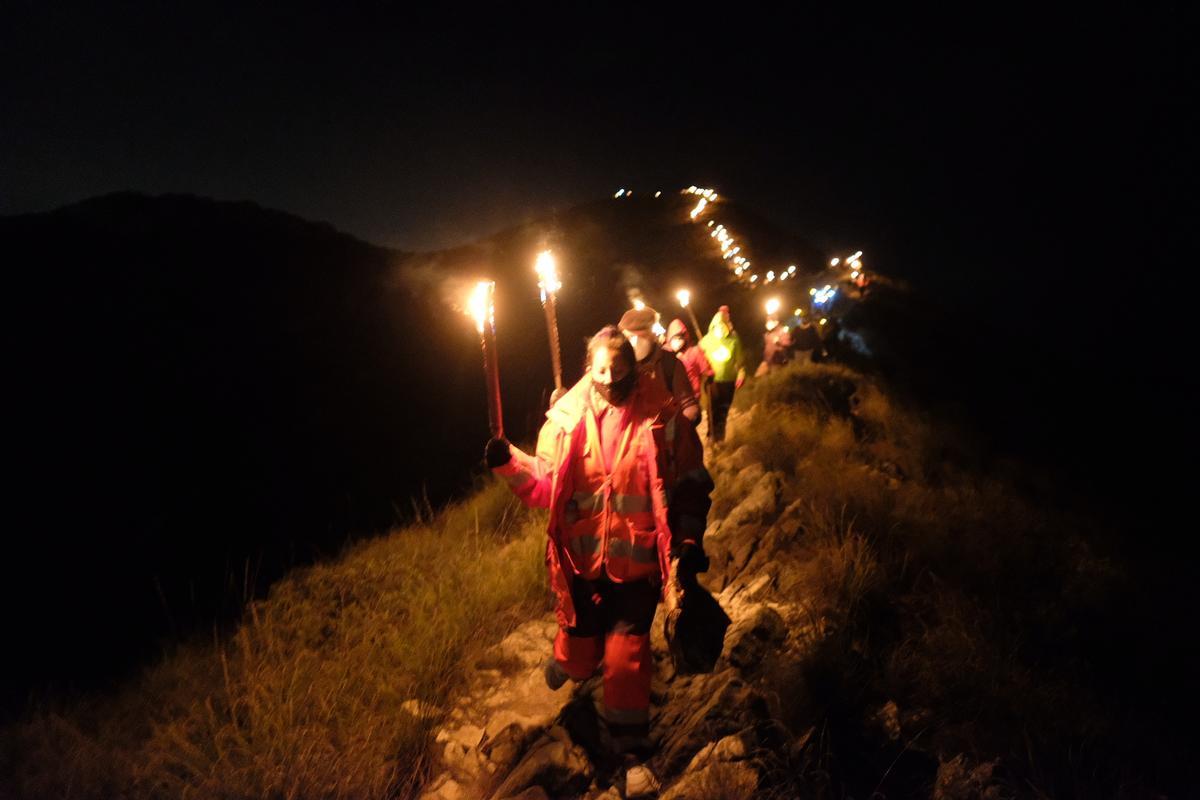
x,y
617,393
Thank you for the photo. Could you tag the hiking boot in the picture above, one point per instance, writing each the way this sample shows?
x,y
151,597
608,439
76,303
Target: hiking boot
x,y
556,676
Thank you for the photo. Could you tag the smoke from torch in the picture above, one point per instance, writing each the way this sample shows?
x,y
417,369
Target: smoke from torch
x,y
483,308
549,284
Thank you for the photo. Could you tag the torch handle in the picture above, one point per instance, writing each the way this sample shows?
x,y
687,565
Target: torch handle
x,y
552,330
492,373
695,323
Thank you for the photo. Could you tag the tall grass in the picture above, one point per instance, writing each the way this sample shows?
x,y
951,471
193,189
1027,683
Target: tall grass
x,y
329,688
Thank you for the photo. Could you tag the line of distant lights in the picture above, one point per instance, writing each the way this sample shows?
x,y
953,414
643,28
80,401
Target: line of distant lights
x,y
742,268
617,195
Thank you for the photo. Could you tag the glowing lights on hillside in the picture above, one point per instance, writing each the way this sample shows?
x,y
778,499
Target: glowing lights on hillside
x,y
824,296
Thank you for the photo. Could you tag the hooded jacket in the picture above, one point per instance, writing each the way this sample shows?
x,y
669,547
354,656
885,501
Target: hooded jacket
x,y
724,350
693,359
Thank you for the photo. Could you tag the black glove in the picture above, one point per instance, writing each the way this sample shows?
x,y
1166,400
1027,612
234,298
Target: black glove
x,y
496,454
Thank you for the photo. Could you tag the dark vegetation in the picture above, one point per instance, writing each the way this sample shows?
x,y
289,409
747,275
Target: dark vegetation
x,y
997,624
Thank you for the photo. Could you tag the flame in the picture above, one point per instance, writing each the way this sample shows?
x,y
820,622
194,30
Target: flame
x,y
481,306
684,297
658,329
772,305
547,271
834,262
639,303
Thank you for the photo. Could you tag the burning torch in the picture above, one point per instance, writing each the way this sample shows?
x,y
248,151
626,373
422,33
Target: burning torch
x,y
549,284
685,298
483,309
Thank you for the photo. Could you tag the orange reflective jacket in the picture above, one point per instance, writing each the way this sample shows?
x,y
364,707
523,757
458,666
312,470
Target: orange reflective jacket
x,y
604,518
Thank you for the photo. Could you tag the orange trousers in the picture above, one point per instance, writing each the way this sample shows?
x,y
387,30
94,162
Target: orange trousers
x,y
612,626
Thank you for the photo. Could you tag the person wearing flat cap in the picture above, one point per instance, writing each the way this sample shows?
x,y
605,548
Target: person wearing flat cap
x,y
652,360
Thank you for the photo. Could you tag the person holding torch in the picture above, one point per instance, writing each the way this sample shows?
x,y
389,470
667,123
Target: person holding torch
x,y
609,548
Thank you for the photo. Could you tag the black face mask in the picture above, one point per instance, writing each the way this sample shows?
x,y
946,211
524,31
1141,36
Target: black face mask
x,y
618,392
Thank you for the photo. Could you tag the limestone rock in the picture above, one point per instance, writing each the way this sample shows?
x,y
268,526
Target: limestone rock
x,y
752,637
553,763
730,748
702,709
718,781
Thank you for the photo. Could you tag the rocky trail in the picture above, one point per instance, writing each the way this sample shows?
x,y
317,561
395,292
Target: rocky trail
x,y
717,734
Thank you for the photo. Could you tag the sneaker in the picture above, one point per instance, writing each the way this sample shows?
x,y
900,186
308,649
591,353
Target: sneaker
x,y
640,782
556,676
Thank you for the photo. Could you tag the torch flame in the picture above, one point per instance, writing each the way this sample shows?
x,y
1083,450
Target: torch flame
x,y
772,305
639,303
480,305
547,271
684,297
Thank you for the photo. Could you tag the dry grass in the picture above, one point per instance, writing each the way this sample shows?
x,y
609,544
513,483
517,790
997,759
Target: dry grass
x,y
949,590
329,688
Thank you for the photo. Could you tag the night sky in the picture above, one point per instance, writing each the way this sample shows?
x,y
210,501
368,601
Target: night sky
x,y
988,158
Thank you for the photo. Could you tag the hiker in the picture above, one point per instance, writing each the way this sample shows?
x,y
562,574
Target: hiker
x,y
805,340
686,481
724,351
695,363
610,545
777,347
638,326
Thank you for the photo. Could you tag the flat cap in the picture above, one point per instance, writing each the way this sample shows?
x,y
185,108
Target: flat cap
x,y
638,319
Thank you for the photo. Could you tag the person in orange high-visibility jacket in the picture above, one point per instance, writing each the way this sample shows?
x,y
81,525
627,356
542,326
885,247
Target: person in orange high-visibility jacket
x,y
608,555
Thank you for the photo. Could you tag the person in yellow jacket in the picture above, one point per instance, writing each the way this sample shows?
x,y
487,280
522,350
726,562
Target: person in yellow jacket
x,y
609,545
724,350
